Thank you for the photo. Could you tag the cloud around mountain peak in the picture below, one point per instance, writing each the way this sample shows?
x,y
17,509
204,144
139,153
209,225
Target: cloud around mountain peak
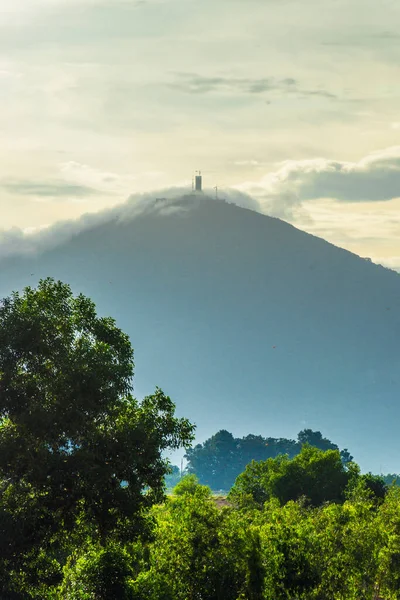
x,y
161,203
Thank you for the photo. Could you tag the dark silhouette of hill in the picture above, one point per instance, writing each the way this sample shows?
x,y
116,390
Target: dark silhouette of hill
x,y
248,323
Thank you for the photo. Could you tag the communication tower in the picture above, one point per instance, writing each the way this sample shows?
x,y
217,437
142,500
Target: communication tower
x,y
198,181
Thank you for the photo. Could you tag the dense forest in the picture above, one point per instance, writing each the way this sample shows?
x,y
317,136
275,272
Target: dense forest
x,y
222,457
83,509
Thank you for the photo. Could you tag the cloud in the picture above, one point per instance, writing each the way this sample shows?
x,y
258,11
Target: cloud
x,y
46,189
197,84
364,39
192,83
76,181
88,176
375,177
367,233
162,203
21,242
247,163
109,182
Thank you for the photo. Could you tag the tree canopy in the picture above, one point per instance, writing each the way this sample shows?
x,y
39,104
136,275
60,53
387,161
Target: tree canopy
x,y
75,445
222,457
313,474
83,515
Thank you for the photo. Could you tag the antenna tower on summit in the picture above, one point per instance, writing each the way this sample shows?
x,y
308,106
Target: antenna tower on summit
x,y
198,181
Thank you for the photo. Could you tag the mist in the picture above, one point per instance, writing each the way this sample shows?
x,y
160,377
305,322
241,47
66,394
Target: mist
x,y
162,202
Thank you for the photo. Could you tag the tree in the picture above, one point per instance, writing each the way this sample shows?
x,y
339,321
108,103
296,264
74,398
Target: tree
x,y
290,551
346,456
198,552
375,484
100,574
391,479
319,476
314,438
71,433
189,485
349,541
389,555
215,461
221,458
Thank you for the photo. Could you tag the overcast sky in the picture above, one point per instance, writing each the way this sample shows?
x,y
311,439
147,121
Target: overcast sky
x,y
296,102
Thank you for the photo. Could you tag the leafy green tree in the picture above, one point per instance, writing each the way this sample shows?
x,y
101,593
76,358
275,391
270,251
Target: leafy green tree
x,y
102,573
255,447
198,552
255,575
215,461
220,459
391,479
388,520
314,438
375,484
28,562
277,446
319,476
349,541
251,488
289,551
189,484
346,456
73,440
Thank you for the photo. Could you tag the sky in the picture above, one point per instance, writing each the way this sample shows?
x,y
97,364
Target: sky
x,y
295,102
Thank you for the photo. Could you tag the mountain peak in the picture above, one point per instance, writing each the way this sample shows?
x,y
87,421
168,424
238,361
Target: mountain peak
x,y
248,323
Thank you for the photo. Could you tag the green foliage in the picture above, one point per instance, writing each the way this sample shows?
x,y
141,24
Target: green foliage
x,y
189,484
316,475
220,459
216,461
346,551
347,539
79,456
100,574
315,439
388,525
198,551
391,479
255,568
152,585
375,484
288,551
83,514
26,527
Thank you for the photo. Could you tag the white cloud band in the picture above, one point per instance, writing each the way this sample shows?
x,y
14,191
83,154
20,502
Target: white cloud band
x,y
375,177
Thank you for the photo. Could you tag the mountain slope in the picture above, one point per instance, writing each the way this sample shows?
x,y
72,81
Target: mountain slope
x,y
248,323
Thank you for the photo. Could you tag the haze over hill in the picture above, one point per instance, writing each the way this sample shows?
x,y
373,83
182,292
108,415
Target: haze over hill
x,y
248,323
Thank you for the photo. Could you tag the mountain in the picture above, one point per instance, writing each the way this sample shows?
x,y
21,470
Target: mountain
x,y
248,323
